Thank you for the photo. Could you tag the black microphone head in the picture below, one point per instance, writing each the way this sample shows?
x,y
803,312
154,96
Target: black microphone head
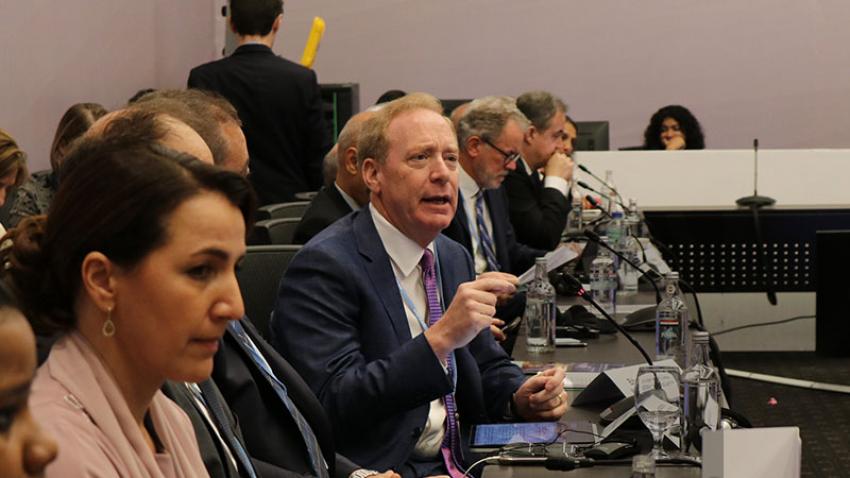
x,y
583,168
756,143
591,200
592,235
584,185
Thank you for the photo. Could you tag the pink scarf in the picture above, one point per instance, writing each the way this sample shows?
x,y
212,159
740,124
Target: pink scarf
x,y
78,401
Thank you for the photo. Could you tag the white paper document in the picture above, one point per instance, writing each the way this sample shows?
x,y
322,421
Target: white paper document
x,y
554,260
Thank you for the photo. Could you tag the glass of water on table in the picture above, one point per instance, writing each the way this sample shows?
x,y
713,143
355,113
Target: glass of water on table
x,y
657,403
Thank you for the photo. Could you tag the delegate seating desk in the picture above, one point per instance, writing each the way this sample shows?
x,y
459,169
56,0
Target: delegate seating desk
x,y
611,348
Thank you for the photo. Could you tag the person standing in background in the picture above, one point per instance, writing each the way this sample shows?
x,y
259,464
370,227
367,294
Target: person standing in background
x,y
279,103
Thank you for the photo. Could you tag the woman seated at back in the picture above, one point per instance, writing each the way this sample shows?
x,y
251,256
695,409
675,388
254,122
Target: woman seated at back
x,y
135,266
34,195
13,168
24,449
673,127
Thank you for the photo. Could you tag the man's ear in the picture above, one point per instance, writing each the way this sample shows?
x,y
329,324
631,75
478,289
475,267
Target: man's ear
x,y
530,134
99,279
472,146
277,22
371,175
349,160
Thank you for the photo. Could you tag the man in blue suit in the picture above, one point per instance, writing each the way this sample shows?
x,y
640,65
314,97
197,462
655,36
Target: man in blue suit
x,y
385,319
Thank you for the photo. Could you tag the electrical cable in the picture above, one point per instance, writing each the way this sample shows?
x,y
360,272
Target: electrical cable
x,y
761,324
494,458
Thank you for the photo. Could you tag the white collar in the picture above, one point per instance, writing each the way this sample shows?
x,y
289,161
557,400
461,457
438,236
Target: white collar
x,y
403,251
468,187
348,199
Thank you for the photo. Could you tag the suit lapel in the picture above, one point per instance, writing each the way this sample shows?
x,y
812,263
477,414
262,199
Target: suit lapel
x,y
380,271
463,223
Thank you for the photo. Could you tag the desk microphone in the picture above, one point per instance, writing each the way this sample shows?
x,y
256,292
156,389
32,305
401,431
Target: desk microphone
x,y
606,196
601,181
593,202
575,285
636,316
644,273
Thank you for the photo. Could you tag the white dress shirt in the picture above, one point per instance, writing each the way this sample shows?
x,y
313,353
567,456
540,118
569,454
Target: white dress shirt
x,y
557,183
405,255
469,191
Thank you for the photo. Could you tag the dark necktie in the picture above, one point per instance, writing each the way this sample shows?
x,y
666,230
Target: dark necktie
x,y
484,239
450,448
310,441
206,394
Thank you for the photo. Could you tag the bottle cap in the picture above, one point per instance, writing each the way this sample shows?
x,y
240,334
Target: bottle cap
x,y
700,337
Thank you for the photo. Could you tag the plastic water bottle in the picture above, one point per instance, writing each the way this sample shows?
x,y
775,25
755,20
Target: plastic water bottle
x,y
575,223
630,248
671,323
615,229
540,312
701,394
603,279
609,190
635,216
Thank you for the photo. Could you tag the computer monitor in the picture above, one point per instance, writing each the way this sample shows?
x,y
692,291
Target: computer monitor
x,y
592,136
449,105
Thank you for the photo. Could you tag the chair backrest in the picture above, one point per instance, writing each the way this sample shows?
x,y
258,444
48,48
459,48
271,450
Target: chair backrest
x,y
274,231
306,195
282,210
259,278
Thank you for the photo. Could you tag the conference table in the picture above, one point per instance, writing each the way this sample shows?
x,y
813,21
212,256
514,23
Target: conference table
x,y
608,348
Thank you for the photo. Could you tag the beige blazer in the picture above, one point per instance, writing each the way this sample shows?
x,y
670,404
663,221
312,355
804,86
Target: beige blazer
x,y
76,399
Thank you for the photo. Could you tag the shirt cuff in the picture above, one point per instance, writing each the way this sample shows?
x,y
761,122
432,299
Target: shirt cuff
x,y
554,182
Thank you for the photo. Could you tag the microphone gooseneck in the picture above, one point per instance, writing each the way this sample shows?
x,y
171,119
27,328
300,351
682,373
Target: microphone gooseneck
x,y
581,292
595,238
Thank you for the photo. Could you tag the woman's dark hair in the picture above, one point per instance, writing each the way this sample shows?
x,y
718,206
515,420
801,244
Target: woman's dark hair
x,y
694,138
76,121
116,198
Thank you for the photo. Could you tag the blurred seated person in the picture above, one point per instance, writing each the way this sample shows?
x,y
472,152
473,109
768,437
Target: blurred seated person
x,y
539,206
135,267
13,168
25,450
35,195
671,128
347,192
385,319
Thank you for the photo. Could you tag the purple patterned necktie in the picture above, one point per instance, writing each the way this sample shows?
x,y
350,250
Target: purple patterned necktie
x,y
450,448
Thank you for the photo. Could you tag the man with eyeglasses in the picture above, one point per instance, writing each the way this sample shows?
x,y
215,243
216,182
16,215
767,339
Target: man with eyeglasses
x,y
539,206
490,135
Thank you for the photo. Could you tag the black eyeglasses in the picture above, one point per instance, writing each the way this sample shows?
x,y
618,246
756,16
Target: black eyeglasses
x,y
509,157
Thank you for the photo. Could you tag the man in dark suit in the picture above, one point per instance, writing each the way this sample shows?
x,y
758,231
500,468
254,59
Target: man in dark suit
x,y
278,101
539,207
490,133
345,194
383,316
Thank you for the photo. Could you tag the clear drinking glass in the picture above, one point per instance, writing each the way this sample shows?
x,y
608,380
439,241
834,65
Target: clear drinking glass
x,y
657,402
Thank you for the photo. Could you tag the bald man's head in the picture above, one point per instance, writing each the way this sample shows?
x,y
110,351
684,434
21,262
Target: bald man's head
x,y
348,175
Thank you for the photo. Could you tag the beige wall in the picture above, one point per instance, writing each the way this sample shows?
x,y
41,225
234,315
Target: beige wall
x,y
57,53
778,70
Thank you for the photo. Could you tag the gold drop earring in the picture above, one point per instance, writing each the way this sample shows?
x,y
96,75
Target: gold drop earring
x,y
108,329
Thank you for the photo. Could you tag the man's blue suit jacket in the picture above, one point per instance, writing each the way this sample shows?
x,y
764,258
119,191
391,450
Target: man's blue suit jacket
x,y
340,321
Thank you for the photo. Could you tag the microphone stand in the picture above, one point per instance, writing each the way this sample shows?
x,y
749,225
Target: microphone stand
x,y
581,292
756,202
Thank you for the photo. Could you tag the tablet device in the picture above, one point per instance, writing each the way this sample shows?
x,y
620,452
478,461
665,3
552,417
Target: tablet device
x,y
494,436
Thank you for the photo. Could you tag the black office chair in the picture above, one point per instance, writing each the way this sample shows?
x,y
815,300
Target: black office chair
x,y
306,195
259,278
282,210
273,231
